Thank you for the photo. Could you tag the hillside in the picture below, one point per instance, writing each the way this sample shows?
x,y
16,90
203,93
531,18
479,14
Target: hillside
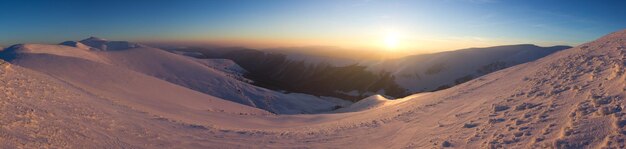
x,y
428,72
319,73
155,63
570,99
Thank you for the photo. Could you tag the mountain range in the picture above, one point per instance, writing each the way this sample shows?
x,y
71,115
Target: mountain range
x,y
354,79
96,93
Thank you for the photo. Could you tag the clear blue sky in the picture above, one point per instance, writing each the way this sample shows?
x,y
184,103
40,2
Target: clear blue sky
x,y
417,24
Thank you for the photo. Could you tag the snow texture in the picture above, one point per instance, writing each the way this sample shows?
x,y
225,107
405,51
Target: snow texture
x,y
571,99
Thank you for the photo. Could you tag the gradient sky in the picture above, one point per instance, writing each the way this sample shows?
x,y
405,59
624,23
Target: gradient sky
x,y
423,25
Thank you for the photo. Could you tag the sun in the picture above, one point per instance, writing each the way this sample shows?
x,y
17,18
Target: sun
x,y
391,41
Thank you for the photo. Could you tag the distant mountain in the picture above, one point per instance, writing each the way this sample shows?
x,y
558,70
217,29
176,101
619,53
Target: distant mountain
x,y
319,74
280,72
103,44
429,72
334,55
214,77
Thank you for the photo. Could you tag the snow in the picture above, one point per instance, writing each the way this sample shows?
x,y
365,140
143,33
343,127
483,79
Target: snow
x,y
76,45
224,65
375,101
105,45
570,99
59,50
427,72
220,78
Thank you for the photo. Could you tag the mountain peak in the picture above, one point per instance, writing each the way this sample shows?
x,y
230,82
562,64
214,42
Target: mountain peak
x,y
92,38
103,44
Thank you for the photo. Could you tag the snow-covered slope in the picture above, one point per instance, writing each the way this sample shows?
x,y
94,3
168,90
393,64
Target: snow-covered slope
x,y
104,44
198,75
227,66
59,50
571,99
375,101
427,72
42,111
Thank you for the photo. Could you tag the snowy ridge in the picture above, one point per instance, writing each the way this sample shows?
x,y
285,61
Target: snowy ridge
x,y
77,45
190,73
103,44
39,110
570,99
59,50
428,72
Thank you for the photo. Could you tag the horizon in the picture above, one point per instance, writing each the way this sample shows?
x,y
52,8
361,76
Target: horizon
x,y
393,26
313,74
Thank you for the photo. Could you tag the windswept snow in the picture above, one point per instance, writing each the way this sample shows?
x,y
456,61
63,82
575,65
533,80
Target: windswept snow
x,y
571,99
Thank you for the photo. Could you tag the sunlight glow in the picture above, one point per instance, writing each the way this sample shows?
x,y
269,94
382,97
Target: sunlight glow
x,y
391,41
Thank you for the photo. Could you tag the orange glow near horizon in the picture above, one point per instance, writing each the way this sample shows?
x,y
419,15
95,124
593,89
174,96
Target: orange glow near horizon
x,y
390,42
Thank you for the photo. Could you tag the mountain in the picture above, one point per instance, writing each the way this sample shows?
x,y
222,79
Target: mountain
x,y
279,72
428,72
40,110
320,73
121,56
573,98
315,58
104,44
331,55
570,99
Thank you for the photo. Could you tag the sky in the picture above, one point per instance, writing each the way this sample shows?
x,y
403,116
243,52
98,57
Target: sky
x,y
414,25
